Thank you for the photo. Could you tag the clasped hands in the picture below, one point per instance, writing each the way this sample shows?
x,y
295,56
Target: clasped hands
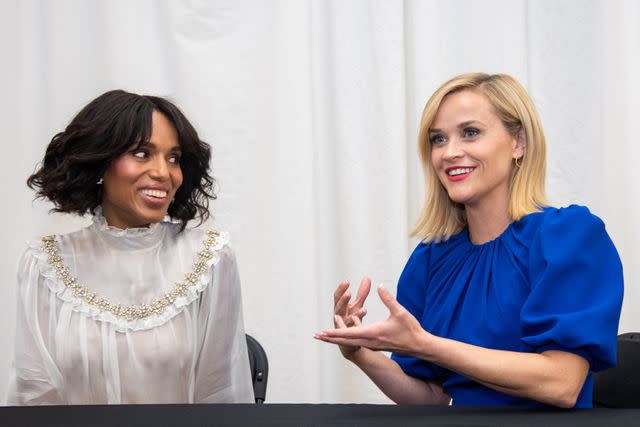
x,y
398,333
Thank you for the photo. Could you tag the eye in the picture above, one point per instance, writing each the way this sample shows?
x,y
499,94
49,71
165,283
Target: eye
x,y
437,139
471,132
175,159
140,154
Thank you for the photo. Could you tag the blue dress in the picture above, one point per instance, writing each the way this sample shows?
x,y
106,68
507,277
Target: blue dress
x,y
551,281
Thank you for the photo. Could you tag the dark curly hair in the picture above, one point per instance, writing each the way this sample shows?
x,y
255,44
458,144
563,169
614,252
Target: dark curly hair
x,y
103,130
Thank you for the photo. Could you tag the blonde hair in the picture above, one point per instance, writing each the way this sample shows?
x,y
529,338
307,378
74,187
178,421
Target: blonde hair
x,y
442,218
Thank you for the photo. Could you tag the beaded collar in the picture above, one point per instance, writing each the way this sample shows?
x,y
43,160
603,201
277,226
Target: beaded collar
x,y
132,312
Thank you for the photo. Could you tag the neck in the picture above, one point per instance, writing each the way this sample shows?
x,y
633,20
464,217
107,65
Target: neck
x,y
118,221
487,221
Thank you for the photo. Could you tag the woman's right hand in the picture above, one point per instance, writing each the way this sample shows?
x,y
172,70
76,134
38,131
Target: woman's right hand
x,y
350,314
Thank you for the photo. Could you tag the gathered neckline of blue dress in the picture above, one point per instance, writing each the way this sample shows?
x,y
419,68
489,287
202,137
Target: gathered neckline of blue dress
x,y
465,233
506,233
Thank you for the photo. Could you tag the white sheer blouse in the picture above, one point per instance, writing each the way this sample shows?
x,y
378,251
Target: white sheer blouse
x,y
153,316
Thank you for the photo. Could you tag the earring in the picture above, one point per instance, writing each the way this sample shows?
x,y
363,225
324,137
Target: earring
x,y
100,181
518,162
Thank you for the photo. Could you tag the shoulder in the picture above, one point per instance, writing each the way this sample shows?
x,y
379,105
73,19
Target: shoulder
x,y
211,244
417,264
572,222
79,239
29,258
38,248
421,251
568,221
570,235
216,260
43,253
201,236
572,214
36,263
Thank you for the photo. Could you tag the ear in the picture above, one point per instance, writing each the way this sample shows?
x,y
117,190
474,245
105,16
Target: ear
x,y
520,146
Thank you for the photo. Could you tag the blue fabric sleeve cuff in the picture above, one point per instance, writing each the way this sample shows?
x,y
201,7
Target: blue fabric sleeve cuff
x,y
594,365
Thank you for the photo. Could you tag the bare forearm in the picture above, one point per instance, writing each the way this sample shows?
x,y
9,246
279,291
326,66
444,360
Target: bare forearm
x,y
553,377
394,383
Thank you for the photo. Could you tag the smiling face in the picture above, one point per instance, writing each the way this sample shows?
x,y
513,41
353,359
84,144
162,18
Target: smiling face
x,y
140,184
471,151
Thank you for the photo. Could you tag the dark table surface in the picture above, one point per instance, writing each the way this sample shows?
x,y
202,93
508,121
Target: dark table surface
x,y
310,415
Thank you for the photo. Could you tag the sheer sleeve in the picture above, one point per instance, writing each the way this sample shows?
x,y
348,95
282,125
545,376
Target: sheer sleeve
x,y
222,371
576,288
34,379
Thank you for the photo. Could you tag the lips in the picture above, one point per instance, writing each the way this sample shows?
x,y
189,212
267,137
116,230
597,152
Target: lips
x,y
158,194
458,173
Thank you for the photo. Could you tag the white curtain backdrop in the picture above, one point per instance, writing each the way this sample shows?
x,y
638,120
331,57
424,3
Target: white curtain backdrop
x,y
312,109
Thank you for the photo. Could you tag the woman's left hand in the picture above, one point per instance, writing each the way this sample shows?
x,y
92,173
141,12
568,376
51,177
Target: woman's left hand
x,y
399,333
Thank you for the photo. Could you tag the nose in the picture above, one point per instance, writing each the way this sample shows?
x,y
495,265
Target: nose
x,y
159,169
453,150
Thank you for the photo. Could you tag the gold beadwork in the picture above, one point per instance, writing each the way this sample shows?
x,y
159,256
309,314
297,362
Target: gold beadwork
x,y
132,312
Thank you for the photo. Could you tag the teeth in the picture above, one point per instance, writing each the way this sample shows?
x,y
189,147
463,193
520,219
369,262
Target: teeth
x,y
459,171
154,193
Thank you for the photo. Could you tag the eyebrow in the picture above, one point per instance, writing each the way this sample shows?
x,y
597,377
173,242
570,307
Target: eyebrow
x,y
175,148
459,126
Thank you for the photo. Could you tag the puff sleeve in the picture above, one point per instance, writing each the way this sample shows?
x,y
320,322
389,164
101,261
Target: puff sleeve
x,y
34,378
222,373
576,288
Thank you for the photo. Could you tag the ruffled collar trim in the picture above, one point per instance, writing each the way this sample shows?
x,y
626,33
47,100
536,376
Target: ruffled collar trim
x,y
129,238
168,305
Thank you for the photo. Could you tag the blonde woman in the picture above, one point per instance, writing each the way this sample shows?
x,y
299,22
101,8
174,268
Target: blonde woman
x,y
506,301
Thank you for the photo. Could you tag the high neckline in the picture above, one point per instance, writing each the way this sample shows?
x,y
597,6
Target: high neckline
x,y
128,238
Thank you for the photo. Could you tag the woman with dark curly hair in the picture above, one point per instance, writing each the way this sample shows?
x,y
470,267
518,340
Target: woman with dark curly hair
x,y
135,308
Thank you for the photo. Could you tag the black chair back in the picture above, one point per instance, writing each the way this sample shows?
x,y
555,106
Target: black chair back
x,y
259,368
619,387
